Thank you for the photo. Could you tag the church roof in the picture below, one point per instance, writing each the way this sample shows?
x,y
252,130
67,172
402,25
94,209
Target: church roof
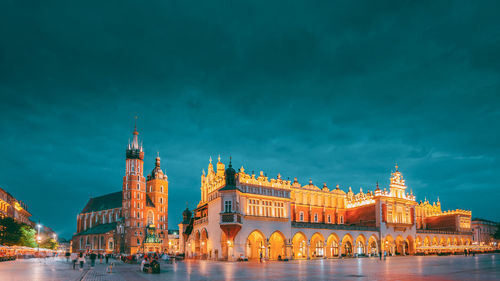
x,y
149,202
104,202
99,229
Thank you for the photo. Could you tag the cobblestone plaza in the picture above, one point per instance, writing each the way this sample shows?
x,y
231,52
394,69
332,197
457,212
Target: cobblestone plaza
x,y
480,267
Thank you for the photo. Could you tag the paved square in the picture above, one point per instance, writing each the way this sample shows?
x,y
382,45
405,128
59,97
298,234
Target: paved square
x,y
480,267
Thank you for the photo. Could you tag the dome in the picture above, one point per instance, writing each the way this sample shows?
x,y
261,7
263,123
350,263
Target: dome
x,y
230,175
186,216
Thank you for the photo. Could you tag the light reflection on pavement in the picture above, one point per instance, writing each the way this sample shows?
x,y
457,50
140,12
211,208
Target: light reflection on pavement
x,y
480,267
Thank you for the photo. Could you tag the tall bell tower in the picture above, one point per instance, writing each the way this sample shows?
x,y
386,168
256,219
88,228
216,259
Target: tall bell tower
x,y
134,195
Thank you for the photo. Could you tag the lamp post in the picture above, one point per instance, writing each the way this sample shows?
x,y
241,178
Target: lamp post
x,y
38,238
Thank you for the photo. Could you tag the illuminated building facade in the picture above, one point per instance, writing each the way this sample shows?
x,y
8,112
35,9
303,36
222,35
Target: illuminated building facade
x,y
13,208
242,215
129,221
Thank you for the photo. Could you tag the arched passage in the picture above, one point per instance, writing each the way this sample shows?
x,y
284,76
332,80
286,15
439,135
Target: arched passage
x,y
299,244
197,243
317,245
277,246
332,246
256,245
401,246
204,243
373,246
389,246
411,245
347,243
360,245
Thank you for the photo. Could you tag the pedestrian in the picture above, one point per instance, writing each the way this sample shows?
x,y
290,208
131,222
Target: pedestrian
x,y
74,258
100,258
93,256
107,258
380,255
81,260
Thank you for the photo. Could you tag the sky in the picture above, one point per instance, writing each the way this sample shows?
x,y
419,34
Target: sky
x,y
332,91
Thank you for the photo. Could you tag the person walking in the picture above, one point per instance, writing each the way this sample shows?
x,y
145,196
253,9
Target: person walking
x,y
74,258
107,258
93,256
81,260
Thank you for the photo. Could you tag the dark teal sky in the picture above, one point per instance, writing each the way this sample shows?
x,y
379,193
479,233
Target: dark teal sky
x,y
333,91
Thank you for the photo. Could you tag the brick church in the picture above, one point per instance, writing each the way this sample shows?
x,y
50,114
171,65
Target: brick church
x,y
129,221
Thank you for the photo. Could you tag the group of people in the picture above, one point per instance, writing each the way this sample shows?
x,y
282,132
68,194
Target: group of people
x,y
80,258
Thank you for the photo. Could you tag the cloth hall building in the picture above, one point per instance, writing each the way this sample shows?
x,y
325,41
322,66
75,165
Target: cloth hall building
x,y
129,221
243,215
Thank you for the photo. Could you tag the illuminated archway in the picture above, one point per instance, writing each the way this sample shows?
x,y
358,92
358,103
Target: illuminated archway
x,y
347,243
204,243
277,246
256,245
332,246
401,246
299,245
411,245
389,246
373,245
427,241
197,243
317,245
435,241
360,245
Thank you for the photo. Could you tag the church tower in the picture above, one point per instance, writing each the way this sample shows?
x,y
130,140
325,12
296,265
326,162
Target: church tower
x,y
134,195
157,192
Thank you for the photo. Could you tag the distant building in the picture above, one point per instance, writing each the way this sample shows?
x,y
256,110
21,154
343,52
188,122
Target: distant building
x,y
483,230
13,208
245,215
173,241
129,221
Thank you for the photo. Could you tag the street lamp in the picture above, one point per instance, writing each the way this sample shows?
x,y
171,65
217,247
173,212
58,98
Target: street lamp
x,y
39,239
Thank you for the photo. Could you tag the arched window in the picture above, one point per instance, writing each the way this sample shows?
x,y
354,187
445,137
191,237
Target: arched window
x,y
301,216
138,186
329,219
138,241
102,245
138,215
341,219
161,200
161,188
150,218
315,217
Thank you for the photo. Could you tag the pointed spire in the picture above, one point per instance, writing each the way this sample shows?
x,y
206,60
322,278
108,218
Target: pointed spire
x,y
230,160
338,186
210,160
218,158
310,181
377,186
397,166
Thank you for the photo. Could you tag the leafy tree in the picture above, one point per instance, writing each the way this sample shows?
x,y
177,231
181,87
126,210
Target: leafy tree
x,y
28,236
50,244
10,231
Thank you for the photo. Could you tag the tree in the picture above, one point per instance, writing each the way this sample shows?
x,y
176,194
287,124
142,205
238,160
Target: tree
x,y
28,238
497,233
50,244
10,231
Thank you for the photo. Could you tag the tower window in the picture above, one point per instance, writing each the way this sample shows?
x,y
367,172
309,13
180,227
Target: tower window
x,y
341,219
161,188
329,219
138,186
227,206
315,217
301,216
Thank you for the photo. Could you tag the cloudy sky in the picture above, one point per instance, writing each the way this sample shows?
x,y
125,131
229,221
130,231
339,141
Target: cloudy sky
x,y
333,91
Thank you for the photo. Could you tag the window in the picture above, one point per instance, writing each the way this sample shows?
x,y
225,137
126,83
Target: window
x,y
161,200
301,216
341,219
315,217
138,215
138,186
150,188
138,241
161,188
329,219
227,206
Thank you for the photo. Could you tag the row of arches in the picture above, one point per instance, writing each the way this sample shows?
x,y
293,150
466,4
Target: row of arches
x,y
300,247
